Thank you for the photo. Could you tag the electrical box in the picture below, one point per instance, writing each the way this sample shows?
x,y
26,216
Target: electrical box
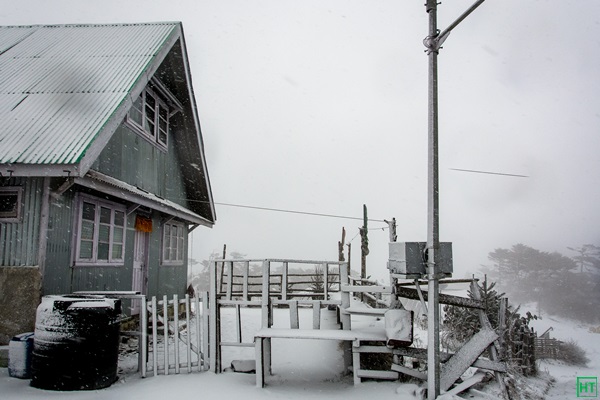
x,y
410,258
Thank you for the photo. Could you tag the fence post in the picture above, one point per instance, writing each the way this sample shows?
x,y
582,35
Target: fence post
x,y
143,349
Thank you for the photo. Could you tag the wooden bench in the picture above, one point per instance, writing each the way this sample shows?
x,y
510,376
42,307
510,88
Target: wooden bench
x,y
262,343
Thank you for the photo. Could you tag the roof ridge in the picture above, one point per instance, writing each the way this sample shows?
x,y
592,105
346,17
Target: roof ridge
x,y
93,24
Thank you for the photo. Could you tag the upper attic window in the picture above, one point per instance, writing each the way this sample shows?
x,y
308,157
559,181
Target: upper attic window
x,y
149,116
152,111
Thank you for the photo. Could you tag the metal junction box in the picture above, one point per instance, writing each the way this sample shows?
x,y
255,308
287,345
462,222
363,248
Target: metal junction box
x,y
410,258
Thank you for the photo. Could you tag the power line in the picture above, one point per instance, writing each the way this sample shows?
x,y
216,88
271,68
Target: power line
x,y
287,211
295,212
488,173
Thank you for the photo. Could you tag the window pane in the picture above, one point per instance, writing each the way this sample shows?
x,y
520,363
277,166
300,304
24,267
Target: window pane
x,y
135,113
162,136
118,235
104,215
85,249
104,233
119,218
103,251
89,211
87,230
117,252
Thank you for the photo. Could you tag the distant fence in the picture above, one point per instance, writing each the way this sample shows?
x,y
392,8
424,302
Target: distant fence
x,y
547,348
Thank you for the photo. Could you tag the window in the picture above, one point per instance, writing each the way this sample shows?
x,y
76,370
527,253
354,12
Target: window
x,y
173,243
101,236
10,203
149,116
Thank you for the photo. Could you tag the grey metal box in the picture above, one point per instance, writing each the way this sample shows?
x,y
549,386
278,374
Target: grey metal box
x,y
409,258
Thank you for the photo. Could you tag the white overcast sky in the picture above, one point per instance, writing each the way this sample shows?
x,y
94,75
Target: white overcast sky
x,y
321,106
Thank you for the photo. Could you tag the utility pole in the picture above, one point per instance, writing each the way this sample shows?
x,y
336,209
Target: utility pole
x,y
433,43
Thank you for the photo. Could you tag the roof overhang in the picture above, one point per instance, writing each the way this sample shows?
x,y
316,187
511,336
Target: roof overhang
x,y
114,187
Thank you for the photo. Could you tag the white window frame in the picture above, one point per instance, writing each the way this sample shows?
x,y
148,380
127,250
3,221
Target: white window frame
x,y
16,216
173,243
114,208
153,135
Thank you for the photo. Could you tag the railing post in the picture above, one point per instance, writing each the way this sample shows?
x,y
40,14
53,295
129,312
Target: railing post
x,y
345,296
214,339
266,283
325,281
245,283
284,281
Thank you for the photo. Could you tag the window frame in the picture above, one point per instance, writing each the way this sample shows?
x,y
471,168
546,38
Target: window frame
x,y
18,213
151,135
180,252
114,208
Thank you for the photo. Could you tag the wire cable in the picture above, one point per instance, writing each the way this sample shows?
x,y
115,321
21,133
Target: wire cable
x,y
286,211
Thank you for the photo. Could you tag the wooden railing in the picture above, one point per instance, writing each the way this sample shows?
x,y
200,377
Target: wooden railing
x,y
269,283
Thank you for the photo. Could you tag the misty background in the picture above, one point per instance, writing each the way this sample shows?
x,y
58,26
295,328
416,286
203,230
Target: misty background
x,y
321,106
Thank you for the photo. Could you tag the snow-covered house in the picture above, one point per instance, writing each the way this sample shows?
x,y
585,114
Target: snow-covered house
x,y
102,166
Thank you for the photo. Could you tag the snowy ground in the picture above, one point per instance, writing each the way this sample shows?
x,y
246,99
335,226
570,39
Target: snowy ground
x,y
303,370
566,375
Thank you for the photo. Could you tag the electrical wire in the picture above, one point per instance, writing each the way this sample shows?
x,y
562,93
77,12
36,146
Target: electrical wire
x,y
488,173
287,211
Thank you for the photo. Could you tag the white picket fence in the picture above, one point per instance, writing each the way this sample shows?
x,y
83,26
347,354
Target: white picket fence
x,y
178,341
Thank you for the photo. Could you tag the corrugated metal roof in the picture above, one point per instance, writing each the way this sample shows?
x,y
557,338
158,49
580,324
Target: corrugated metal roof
x,y
60,84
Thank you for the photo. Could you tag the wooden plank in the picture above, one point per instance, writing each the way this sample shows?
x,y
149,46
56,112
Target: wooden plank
x,y
413,294
364,289
421,354
294,321
378,312
409,371
475,379
367,373
465,357
317,315
284,282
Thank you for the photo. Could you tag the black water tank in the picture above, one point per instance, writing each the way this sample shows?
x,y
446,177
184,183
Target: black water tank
x,y
76,345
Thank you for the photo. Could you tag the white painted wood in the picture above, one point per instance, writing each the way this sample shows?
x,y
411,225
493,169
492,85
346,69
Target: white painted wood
x,y
213,307
176,329
166,334
189,334
294,321
154,336
143,337
205,333
317,315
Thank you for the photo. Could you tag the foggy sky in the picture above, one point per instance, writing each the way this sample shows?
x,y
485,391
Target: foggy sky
x,y
321,106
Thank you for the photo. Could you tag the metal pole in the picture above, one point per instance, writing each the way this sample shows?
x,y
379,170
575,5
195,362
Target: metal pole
x,y
433,244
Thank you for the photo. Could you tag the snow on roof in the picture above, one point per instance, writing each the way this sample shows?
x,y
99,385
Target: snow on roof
x,y
61,84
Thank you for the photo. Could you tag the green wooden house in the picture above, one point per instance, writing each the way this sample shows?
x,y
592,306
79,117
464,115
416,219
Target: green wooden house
x,y
102,166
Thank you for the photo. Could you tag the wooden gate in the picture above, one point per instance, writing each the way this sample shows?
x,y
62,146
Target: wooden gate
x,y
179,335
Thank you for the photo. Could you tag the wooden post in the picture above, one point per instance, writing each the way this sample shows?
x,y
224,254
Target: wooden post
x,y
222,267
341,246
364,244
